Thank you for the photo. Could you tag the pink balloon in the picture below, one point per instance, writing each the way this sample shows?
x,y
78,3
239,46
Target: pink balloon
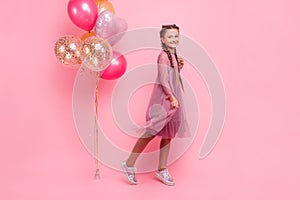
x,y
83,13
108,25
117,67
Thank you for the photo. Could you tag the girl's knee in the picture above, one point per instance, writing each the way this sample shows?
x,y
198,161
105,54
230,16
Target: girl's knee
x,y
165,141
148,136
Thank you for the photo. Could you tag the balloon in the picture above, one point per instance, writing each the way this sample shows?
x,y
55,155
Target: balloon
x,y
67,50
97,53
108,24
104,5
87,34
117,67
83,13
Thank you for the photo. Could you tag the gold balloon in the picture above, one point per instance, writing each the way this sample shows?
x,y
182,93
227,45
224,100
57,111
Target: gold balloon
x,y
104,5
87,34
96,53
67,50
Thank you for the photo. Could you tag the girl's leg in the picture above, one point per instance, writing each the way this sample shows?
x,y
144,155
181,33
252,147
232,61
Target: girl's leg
x,y
162,173
163,153
138,148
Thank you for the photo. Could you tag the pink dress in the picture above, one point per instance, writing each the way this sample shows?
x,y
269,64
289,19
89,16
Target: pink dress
x,y
161,119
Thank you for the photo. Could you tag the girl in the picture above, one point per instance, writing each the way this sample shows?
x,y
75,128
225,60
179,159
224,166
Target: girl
x,y
165,115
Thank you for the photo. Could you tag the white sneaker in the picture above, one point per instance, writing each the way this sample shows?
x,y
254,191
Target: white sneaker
x,y
165,177
129,173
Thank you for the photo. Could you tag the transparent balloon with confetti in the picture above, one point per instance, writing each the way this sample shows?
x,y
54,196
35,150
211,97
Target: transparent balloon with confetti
x,y
68,51
96,53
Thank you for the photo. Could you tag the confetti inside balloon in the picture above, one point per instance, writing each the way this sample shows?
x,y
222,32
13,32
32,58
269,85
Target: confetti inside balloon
x,y
67,50
97,53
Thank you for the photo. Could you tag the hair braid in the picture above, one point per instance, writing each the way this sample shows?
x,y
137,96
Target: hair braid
x,y
175,52
170,57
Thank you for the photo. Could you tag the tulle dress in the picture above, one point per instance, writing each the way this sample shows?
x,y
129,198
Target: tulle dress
x,y
161,119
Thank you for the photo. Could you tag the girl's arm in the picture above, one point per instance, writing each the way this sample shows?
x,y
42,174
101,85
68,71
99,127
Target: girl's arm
x,y
163,75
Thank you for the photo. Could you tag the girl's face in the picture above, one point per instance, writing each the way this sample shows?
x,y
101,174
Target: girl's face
x,y
171,38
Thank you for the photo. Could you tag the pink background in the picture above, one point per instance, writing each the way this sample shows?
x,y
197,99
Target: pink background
x,y
255,46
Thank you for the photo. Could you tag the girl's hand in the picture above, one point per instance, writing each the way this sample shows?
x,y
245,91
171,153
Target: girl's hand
x,y
174,102
180,63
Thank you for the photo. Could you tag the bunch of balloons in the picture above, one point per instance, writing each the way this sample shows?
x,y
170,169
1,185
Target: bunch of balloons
x,y
94,49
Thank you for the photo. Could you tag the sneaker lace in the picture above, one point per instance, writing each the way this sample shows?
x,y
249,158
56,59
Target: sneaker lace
x,y
130,171
166,174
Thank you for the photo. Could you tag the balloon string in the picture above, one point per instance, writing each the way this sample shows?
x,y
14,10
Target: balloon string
x,y
97,175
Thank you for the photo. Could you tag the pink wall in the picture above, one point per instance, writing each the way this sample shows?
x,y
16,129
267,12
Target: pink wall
x,y
253,43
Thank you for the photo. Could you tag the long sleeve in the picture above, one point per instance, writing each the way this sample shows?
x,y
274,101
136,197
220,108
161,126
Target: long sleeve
x,y
163,74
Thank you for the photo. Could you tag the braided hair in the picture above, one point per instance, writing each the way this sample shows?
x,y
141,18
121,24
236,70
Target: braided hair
x,y
164,47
